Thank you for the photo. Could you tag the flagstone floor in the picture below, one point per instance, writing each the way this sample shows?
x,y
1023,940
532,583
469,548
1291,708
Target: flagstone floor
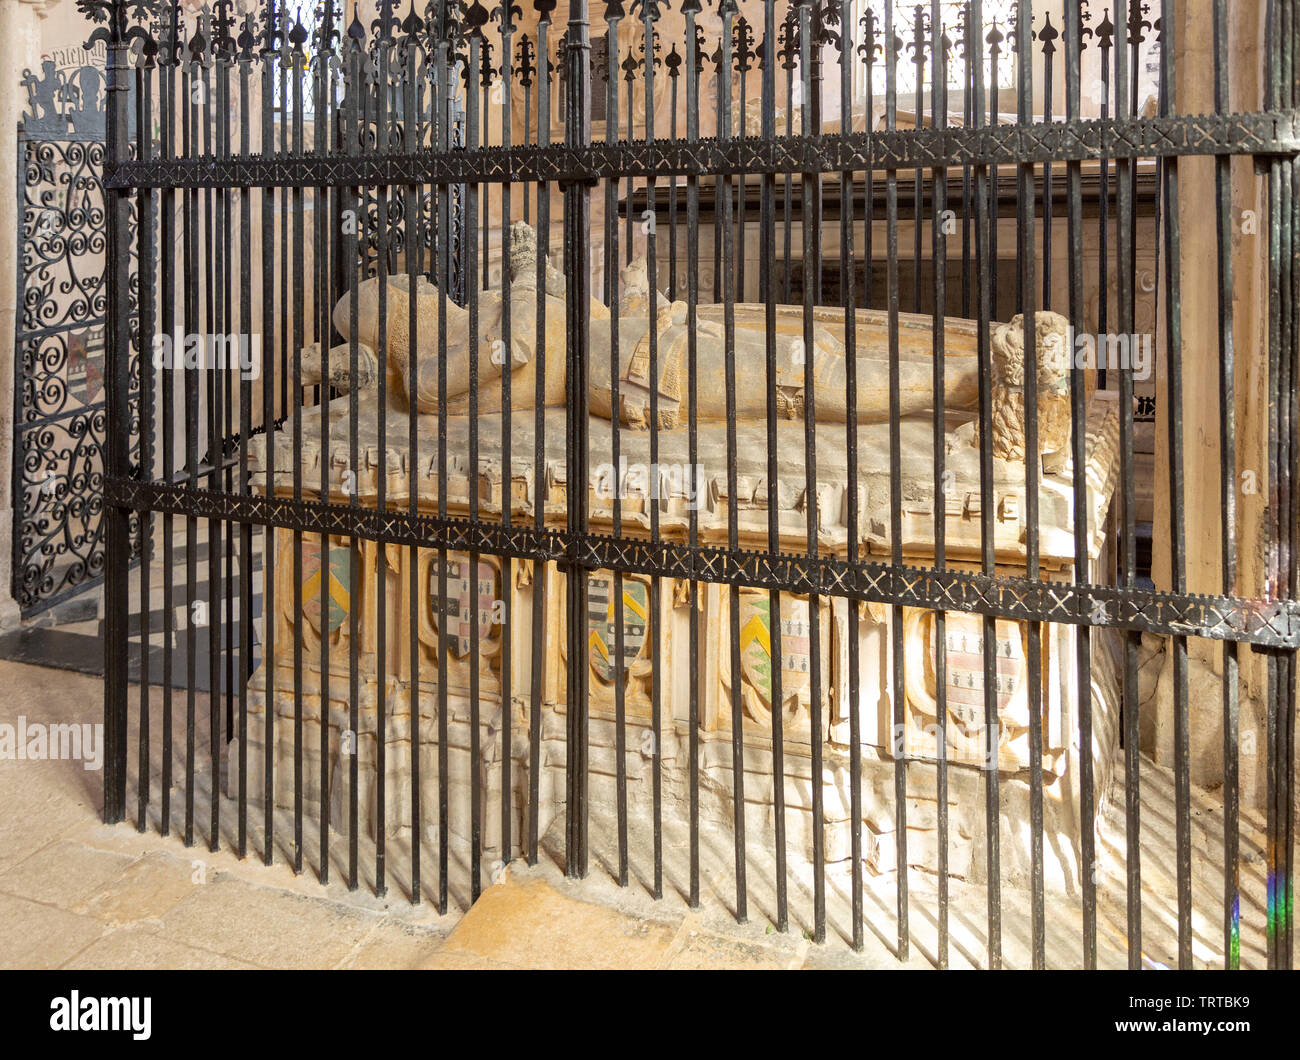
x,y
77,893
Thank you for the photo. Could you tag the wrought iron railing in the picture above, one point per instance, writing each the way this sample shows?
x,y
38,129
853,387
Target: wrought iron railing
x,y
432,485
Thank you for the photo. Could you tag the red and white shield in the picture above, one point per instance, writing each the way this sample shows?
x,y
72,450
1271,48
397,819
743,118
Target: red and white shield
x,y
467,600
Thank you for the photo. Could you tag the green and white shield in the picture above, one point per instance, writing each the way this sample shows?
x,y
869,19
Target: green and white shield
x,y
601,630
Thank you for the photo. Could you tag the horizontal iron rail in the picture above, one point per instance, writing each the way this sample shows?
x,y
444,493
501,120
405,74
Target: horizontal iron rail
x,y
1268,133
62,416
1274,624
78,324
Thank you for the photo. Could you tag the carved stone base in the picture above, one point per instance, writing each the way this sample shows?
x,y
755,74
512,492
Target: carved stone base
x,y
966,783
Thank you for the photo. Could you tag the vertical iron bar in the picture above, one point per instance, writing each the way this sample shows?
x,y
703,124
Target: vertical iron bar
x,y
383,44
810,217
350,274
611,256
326,242
413,244
727,11
577,213
648,15
145,212
190,289
117,526
1128,529
540,565
472,286
986,253
1026,200
767,292
1227,498
895,497
442,102
691,8
299,337
507,453
245,431
939,258
850,298
269,312
1078,444
167,262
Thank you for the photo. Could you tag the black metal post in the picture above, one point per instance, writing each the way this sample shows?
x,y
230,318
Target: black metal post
x,y
577,231
117,524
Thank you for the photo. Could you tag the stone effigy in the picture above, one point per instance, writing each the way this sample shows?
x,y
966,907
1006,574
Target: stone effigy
x,y
671,333
679,486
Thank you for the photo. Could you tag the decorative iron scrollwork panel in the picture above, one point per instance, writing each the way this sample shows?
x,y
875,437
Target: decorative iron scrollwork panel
x,y
60,417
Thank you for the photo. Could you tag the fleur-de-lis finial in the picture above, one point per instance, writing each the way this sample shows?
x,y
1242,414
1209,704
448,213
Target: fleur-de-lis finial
x,y
505,13
525,52
788,38
918,45
697,53
869,47
222,21
170,46
454,26
1085,25
1137,23
1013,29
963,32
327,26
742,46
386,25
114,20
271,29
825,20
561,52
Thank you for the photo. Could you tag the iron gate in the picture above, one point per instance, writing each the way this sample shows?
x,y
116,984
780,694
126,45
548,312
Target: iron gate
x,y
59,407
405,551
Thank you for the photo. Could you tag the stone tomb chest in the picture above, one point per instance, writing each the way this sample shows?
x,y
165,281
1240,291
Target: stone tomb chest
x,y
481,598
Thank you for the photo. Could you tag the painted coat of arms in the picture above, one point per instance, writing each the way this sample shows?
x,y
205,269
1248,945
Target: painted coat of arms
x,y
601,630
469,599
965,657
756,650
337,584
